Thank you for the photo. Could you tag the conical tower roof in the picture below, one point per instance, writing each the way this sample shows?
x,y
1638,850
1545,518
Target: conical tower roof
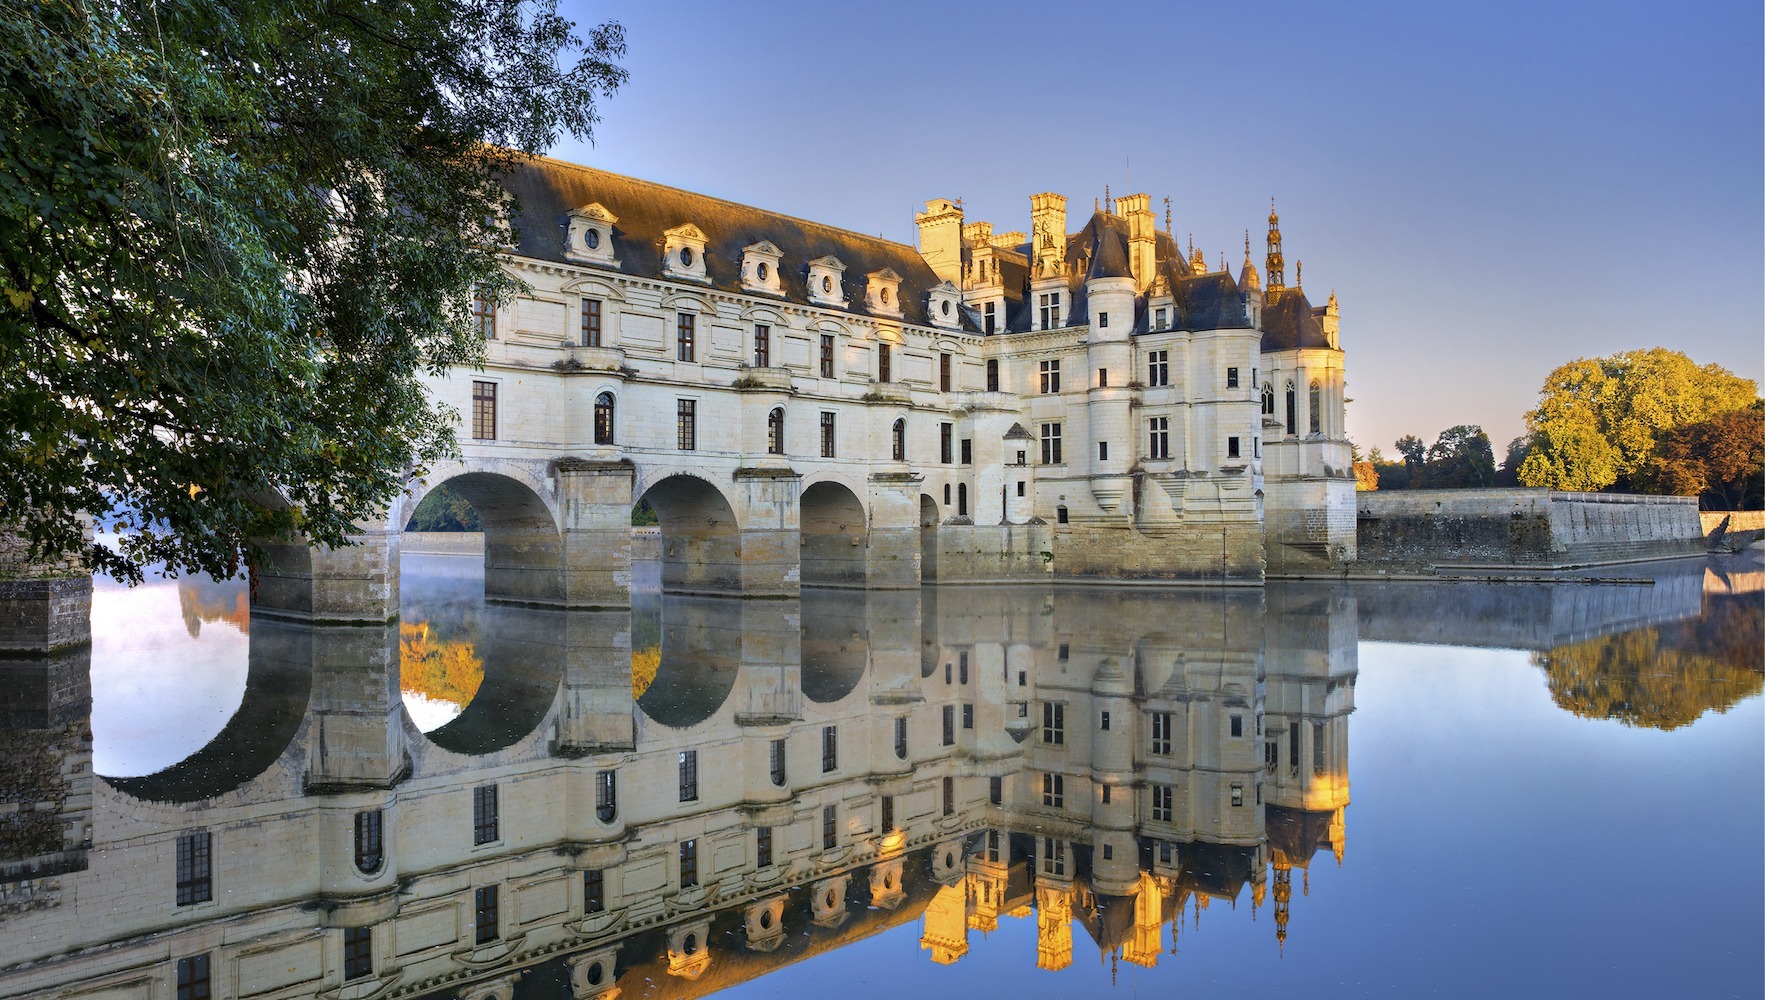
x,y
1111,257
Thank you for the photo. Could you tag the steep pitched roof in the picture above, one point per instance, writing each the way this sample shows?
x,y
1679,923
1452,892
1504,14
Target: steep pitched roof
x,y
1110,257
1288,322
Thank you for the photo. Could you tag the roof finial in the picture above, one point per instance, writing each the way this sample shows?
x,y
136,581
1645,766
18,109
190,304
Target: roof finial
x,y
1275,265
1222,262
1299,275
1246,246
1108,202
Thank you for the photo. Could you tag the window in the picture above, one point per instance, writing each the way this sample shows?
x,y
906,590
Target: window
x,y
594,891
686,424
775,431
1053,723
689,864
762,346
1064,651
961,499
888,813
1102,378
883,362
195,868
1292,421
1103,723
830,748
1158,318
992,363
606,796
591,321
358,952
827,435
830,831
483,314
1237,795
1158,368
949,724
1021,486
485,914
967,451
683,336
1102,321
1161,733
1103,451
1053,856
1050,376
827,355
1232,448
778,771
1060,514
1051,444
1108,849
968,715
1161,803
1317,748
689,775
943,373
898,440
193,981
996,795
1268,400
949,796
988,317
1158,442
603,418
1271,755
369,842
1237,725
962,668
1231,378
947,446
1054,790
763,847
484,825
1165,854
484,411
1314,399
1048,306
1106,795
947,500
901,738
1293,748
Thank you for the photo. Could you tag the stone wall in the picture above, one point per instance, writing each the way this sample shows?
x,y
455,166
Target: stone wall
x,y
1425,530
44,604
1218,552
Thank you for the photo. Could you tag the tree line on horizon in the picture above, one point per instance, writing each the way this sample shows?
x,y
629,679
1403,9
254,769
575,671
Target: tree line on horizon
x,y
1650,421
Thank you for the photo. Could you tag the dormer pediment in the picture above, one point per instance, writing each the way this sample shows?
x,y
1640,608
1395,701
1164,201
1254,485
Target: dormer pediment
x,y
882,292
760,268
826,281
588,237
683,253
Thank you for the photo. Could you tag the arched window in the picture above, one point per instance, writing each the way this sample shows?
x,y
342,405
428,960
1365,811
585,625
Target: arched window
x,y
961,499
1317,411
775,432
370,842
603,418
898,440
1268,399
1292,416
606,796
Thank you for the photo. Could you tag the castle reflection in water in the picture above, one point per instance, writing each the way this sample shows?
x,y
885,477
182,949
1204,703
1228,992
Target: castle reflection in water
x,y
793,776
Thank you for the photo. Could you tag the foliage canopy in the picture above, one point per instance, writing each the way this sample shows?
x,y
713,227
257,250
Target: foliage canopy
x,y
234,234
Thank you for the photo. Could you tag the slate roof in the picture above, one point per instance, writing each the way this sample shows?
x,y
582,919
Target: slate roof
x,y
1290,323
549,189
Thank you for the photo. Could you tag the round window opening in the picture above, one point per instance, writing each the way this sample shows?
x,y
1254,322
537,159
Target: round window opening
x,y
691,944
949,860
830,899
826,283
762,271
946,307
885,296
686,256
888,881
596,974
592,238
766,920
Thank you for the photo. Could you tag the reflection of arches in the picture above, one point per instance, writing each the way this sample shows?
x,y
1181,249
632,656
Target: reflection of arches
x,y
523,551
834,647
603,418
523,651
700,641
701,542
834,533
278,686
928,538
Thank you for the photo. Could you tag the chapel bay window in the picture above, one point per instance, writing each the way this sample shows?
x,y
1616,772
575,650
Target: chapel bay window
x,y
1314,399
1050,376
606,796
776,762
1159,437
686,424
898,440
370,841
901,738
603,418
775,431
591,322
1292,414
1051,444
762,346
484,411
685,334
1268,400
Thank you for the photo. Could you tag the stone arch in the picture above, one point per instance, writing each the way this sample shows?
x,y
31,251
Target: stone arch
x,y
701,537
835,534
928,537
523,650
523,549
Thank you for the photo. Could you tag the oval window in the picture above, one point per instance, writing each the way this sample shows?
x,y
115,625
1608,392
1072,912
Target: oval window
x,y
885,296
826,283
686,256
762,270
595,974
592,238
946,307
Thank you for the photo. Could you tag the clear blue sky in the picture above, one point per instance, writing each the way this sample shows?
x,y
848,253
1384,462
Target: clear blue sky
x,y
1491,188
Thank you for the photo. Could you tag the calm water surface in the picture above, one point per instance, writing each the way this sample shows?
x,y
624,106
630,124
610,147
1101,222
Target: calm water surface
x,y
1463,789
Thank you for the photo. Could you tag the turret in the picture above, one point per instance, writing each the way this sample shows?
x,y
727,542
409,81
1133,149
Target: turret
x,y
1250,285
1109,285
1274,263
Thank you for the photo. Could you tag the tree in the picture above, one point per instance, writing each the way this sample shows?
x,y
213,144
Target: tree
x,y
1412,449
1723,457
1461,457
1366,477
234,235
444,510
1600,421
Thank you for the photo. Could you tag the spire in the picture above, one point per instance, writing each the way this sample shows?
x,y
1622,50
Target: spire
x,y
1275,264
1167,216
1222,262
1299,275
1108,202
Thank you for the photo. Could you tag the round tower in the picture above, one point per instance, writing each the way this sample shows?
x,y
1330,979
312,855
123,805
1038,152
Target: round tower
x,y
1109,292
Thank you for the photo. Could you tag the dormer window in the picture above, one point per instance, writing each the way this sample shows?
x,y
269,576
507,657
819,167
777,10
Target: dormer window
x,y
589,237
760,268
882,292
683,253
941,306
826,281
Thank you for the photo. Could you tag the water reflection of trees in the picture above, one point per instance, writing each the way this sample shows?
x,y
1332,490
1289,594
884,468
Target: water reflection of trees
x,y
201,599
1665,676
436,667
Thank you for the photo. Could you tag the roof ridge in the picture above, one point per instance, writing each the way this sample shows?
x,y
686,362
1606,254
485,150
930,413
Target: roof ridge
x,y
725,201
